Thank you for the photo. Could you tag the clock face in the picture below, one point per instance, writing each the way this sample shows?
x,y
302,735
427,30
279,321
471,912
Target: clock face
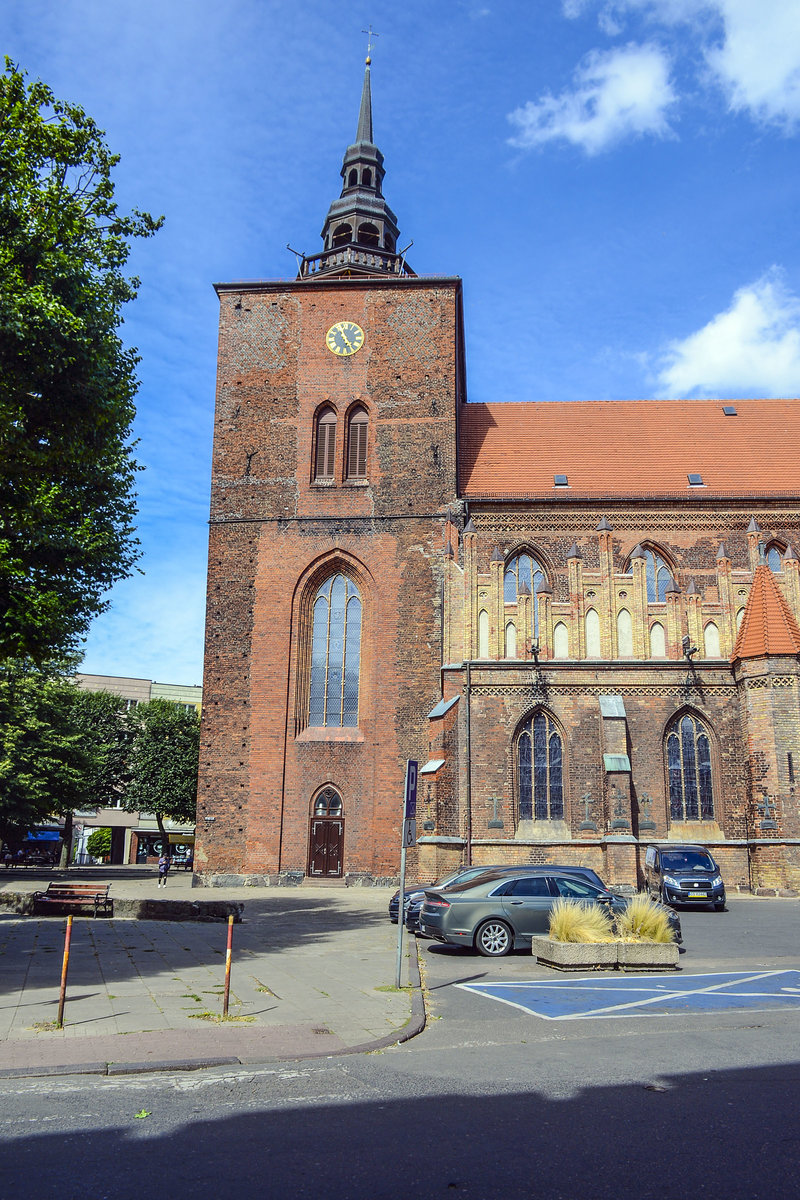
x,y
344,338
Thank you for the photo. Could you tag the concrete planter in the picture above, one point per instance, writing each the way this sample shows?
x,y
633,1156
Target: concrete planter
x,y
605,956
575,956
647,956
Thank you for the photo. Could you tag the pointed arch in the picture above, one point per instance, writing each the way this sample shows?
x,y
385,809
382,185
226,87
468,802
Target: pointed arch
x,y
483,634
560,640
711,646
775,553
624,634
511,640
659,571
658,641
539,758
593,646
525,568
689,767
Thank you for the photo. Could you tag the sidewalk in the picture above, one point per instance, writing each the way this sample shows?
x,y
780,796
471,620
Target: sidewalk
x,y
313,973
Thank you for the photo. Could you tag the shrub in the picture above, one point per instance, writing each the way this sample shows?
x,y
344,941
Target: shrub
x,y
98,843
572,921
644,921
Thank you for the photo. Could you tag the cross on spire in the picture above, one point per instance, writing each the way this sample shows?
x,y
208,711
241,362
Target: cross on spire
x,y
370,32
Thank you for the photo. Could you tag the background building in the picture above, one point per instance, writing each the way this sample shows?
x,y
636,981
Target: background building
x,y
134,836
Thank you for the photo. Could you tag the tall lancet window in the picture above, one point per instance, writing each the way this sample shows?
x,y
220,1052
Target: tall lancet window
x,y
540,770
335,654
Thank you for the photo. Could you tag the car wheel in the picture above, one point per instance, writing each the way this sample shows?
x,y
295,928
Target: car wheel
x,y
719,906
493,939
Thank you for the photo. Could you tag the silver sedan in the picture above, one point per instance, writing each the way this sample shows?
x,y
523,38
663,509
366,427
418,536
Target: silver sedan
x,y
495,914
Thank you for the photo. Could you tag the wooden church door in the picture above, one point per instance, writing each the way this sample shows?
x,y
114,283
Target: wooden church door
x,y
326,838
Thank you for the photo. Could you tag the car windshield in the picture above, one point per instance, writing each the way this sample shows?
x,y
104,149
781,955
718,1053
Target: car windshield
x,y
687,860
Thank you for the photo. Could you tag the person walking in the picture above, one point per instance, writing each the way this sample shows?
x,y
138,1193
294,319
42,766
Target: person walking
x,y
164,864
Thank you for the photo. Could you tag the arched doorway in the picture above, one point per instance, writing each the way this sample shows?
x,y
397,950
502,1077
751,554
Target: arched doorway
x,y
326,835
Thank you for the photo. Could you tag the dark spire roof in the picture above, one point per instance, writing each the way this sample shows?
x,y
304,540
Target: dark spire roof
x,y
360,231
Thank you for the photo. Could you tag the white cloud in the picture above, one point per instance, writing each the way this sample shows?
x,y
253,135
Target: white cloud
x,y
758,62
750,349
617,94
752,47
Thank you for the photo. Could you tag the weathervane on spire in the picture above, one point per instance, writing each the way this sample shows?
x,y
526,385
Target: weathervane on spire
x,y
370,32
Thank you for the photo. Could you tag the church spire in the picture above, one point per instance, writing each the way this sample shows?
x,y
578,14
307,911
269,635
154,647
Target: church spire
x,y
360,231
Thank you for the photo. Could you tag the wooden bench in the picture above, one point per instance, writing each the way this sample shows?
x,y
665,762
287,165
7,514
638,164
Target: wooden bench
x,y
69,895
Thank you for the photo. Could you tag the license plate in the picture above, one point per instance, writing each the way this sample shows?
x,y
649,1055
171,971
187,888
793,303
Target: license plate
x,y
698,895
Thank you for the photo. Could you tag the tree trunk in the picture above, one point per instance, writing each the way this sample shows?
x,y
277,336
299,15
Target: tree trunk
x,y
162,831
65,857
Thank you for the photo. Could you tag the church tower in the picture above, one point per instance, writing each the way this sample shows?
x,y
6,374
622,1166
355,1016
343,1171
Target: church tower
x,y
334,470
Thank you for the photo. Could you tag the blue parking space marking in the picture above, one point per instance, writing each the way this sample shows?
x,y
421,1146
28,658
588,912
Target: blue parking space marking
x,y
646,995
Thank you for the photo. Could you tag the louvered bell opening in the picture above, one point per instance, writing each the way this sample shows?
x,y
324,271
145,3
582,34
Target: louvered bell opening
x,y
357,448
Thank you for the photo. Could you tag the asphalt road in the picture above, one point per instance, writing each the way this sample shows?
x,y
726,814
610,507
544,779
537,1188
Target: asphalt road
x,y
488,1102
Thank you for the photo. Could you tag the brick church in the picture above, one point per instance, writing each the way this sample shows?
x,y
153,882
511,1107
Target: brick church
x,y
581,619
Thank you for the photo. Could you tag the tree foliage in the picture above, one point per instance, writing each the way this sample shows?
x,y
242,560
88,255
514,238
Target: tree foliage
x,y
46,761
163,762
98,843
67,383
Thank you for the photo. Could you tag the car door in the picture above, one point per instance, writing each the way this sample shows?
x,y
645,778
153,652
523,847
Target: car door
x,y
527,903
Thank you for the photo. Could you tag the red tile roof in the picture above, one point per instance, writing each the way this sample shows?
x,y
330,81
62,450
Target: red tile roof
x,y
630,448
768,625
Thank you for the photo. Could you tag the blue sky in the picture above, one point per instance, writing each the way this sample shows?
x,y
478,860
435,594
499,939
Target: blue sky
x,y
616,182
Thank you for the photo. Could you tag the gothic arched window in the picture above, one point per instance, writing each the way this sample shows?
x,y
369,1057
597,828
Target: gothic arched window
x,y
325,449
357,444
691,790
328,803
775,557
540,770
335,654
659,576
524,569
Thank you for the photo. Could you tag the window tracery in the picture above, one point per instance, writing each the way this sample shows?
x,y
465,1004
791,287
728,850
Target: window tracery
x,y
540,770
335,654
691,789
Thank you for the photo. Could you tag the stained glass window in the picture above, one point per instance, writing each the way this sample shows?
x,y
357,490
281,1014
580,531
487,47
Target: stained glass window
x,y
540,770
691,795
659,577
524,569
335,654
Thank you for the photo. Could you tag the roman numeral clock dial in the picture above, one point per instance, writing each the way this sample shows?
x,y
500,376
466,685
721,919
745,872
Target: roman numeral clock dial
x,y
344,338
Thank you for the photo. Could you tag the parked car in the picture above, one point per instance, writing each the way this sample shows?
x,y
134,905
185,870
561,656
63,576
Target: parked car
x,y
497,912
418,890
415,900
678,873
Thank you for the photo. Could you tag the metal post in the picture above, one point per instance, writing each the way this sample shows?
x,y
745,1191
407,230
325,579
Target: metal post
x,y
228,952
401,917
64,965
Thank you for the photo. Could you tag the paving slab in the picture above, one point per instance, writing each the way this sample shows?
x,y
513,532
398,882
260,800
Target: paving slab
x,y
312,974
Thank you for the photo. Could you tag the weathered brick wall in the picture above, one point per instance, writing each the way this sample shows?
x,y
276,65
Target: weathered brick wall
x,y
276,534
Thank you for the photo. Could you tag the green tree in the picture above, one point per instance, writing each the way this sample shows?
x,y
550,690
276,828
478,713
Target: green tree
x,y
46,762
67,383
98,843
163,762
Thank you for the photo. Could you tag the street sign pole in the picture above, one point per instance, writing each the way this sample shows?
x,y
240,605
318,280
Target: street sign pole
x,y
409,839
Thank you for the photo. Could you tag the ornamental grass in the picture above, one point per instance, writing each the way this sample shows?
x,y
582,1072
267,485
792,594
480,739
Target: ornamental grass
x,y
644,921
572,921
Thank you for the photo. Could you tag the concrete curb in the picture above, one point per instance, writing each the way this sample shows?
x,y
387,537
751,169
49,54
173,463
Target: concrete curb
x,y
413,1027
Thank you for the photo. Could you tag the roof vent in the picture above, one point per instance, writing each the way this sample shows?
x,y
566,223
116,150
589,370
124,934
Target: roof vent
x,y
695,481
560,481
730,410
